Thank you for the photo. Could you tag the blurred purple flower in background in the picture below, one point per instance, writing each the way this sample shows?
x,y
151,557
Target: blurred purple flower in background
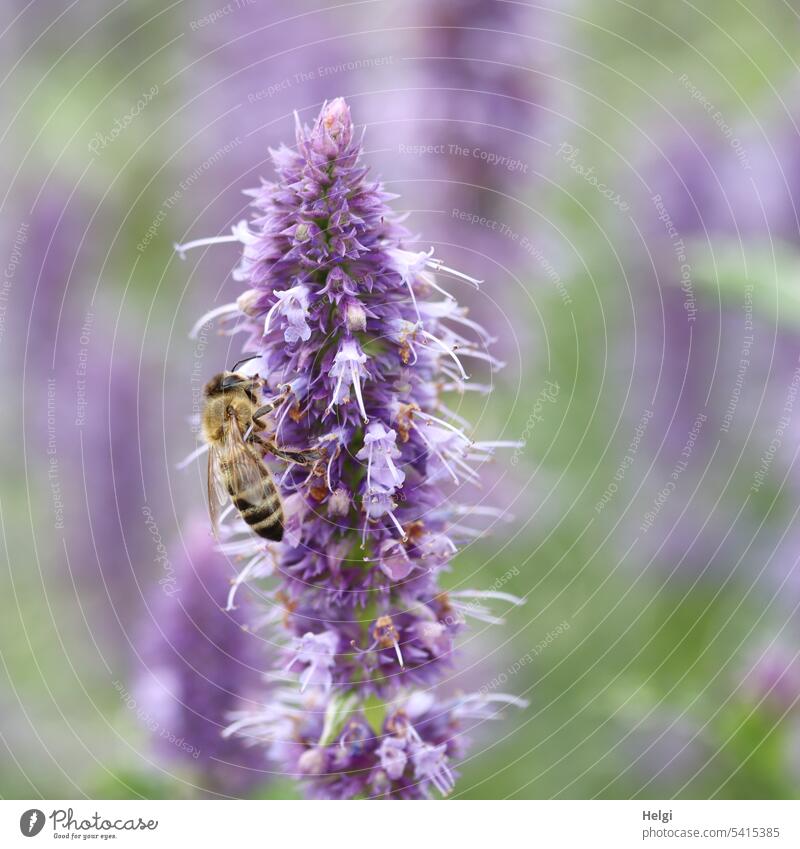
x,y
201,663
107,438
487,70
774,678
487,99
87,436
718,371
715,368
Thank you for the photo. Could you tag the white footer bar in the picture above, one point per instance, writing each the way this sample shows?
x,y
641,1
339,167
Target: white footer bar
x,y
373,825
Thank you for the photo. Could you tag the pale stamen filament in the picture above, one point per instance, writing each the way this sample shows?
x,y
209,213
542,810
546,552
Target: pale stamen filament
x,y
437,265
243,576
499,443
443,423
269,315
494,512
209,240
449,351
436,451
461,387
328,471
469,472
357,387
407,281
429,279
495,594
392,467
453,415
403,534
225,309
482,355
335,393
473,325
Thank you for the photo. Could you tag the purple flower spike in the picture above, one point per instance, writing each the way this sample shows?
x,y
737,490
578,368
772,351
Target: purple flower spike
x,y
357,342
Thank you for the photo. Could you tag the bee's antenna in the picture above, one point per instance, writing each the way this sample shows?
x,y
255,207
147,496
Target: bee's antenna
x,y
244,360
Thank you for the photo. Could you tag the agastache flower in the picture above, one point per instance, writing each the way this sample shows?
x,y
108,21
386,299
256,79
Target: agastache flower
x,y
315,652
380,451
292,305
403,750
348,371
352,334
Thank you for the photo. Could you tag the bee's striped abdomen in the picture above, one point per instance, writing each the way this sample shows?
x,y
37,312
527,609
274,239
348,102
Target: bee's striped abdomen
x,y
260,506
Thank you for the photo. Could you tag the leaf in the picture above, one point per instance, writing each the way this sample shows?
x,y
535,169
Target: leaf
x,y
336,714
375,713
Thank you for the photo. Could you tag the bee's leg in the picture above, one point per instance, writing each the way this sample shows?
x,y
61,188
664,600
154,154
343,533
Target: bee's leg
x,y
270,406
264,410
302,458
273,403
255,421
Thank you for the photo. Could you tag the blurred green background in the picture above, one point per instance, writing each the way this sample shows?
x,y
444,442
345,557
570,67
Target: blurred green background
x,y
636,228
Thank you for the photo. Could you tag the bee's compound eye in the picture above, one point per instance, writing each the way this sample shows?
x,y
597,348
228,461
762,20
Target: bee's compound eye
x,y
231,380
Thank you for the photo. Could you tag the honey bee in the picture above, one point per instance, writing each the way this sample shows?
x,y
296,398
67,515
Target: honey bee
x,y
231,421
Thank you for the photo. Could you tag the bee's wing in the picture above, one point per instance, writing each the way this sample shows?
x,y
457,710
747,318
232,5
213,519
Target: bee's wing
x,y
217,492
247,474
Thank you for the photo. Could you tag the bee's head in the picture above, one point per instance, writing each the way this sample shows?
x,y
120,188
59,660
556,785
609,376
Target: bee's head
x,y
224,382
